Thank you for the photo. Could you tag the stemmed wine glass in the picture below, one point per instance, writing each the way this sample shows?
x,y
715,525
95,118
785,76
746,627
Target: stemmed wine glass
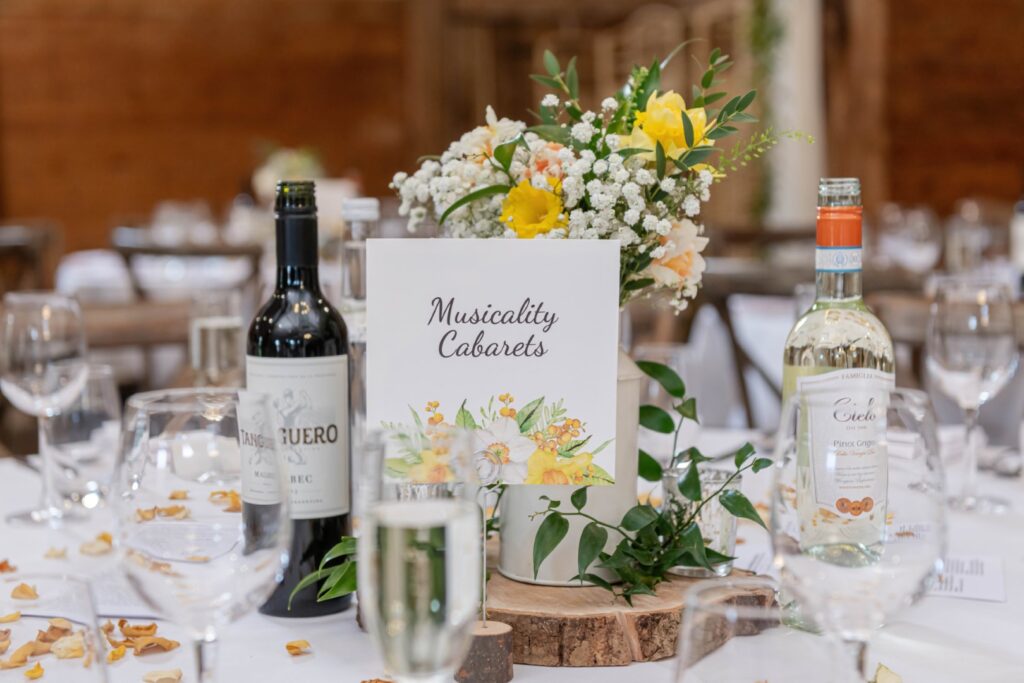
x,y
858,507
43,371
201,499
420,553
971,354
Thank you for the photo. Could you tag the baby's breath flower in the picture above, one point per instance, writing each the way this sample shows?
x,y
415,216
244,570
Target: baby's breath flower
x,y
582,131
600,167
705,177
667,184
550,100
691,206
609,104
631,216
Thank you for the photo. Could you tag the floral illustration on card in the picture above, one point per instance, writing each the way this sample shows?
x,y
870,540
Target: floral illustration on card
x,y
535,443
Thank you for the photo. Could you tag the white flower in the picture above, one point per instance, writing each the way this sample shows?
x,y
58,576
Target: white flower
x,y
705,177
631,217
691,206
667,184
582,131
609,104
658,252
644,177
550,100
600,167
650,223
681,266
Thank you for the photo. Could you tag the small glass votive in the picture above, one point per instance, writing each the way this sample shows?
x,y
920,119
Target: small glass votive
x,y
717,525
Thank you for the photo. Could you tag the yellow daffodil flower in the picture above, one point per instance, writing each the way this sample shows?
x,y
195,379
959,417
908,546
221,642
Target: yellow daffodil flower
x,y
662,121
531,211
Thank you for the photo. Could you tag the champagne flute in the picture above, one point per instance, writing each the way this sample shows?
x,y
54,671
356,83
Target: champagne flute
x,y
43,371
734,631
420,552
201,501
972,354
858,508
215,338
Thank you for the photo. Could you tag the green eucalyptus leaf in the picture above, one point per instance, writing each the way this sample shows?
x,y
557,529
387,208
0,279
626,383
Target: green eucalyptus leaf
x,y
746,100
690,485
715,54
656,419
639,517
743,117
572,79
649,468
504,152
638,284
344,584
659,160
668,378
551,133
472,197
631,151
761,463
740,506
551,532
687,128
344,548
547,80
743,454
592,542
307,580
711,98
707,79
696,155
579,499
551,63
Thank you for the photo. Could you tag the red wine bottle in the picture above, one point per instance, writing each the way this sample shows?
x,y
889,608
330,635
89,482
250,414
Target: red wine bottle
x,y
297,353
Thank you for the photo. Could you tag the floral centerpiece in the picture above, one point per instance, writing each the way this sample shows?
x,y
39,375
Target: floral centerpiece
x,y
637,170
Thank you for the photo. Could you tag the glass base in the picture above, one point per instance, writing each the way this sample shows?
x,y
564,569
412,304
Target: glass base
x,y
52,517
718,570
986,505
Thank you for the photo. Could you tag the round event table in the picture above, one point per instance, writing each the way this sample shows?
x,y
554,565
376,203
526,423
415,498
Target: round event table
x,y
939,640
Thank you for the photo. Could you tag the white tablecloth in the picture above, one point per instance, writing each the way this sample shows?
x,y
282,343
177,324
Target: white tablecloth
x,y
937,641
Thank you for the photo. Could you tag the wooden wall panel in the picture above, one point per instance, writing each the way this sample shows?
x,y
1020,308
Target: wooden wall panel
x,y
109,106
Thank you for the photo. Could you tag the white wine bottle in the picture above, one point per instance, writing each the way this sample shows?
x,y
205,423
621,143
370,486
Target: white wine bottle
x,y
839,357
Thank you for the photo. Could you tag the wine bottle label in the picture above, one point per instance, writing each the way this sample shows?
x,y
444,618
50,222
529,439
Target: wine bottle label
x,y
309,400
845,414
838,259
260,468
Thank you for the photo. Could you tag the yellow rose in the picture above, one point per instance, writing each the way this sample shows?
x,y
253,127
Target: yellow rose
x,y
531,211
545,467
433,468
662,121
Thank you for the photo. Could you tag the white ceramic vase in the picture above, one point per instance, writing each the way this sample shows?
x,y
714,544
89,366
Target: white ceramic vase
x,y
607,503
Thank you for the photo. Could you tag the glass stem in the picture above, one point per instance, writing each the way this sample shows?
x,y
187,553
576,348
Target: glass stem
x,y
206,657
970,483
50,504
858,650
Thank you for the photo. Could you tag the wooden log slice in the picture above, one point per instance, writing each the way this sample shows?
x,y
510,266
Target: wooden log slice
x,y
584,626
490,656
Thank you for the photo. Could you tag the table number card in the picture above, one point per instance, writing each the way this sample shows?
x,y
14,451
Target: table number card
x,y
971,578
515,339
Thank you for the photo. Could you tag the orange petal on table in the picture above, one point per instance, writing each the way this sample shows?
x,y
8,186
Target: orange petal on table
x,y
117,653
35,672
23,591
69,647
173,511
6,567
169,676
145,514
8,618
234,503
103,544
180,494
107,627
297,647
56,554
19,657
40,647
4,644
61,623
136,630
152,644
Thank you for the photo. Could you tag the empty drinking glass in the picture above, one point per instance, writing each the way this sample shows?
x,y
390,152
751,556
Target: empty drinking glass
x,y
82,440
42,358
971,355
201,499
215,339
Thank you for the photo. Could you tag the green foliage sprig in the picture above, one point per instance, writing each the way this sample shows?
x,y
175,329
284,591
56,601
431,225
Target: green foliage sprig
x,y
652,541
339,579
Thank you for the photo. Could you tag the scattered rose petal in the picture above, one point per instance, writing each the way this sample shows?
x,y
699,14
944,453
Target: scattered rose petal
x,y
23,591
4,644
180,494
103,544
8,618
174,512
169,676
152,644
884,674
297,647
69,647
56,554
60,622
230,498
6,567
117,653
35,672
136,630
108,627
40,647
19,657
145,514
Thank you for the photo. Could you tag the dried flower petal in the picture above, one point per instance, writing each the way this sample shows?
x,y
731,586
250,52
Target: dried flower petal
x,y
103,544
174,511
6,567
69,647
19,657
8,618
145,514
4,644
169,676
61,623
152,644
35,672
40,647
297,647
117,653
198,558
137,630
56,554
108,627
230,497
23,591
180,494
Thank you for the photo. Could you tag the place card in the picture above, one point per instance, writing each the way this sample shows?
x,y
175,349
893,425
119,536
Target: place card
x,y
971,578
514,339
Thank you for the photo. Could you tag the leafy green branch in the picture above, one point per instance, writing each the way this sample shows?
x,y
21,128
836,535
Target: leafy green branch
x,y
651,540
338,579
